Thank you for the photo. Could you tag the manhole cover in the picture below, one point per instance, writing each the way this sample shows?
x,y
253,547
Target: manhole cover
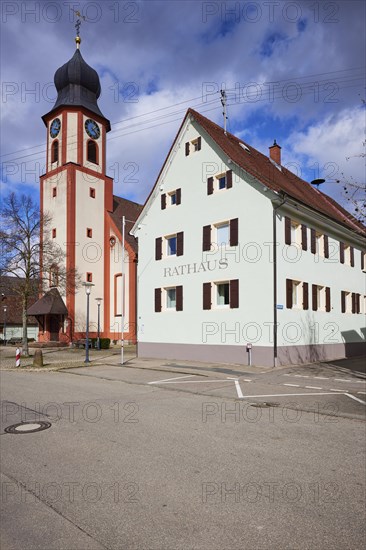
x,y
28,427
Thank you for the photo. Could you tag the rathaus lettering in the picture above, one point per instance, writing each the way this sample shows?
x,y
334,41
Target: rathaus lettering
x,y
188,269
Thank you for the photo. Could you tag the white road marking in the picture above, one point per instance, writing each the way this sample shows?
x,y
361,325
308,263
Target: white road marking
x,y
360,381
238,389
168,379
301,375
313,388
362,392
355,398
228,378
335,389
342,380
293,385
247,380
321,377
188,382
287,394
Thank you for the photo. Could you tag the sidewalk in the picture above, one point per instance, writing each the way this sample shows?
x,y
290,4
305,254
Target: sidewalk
x,y
63,358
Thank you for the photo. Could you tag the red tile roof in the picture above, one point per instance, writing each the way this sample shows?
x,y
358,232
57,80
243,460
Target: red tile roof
x,y
131,210
10,289
262,168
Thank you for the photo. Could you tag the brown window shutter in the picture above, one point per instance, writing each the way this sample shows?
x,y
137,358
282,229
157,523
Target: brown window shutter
x,y
209,186
327,298
304,237
199,144
179,298
178,196
305,295
358,303
180,243
206,238
362,260
352,256
157,300
163,201
315,297
206,295
289,293
287,231
234,293
234,234
313,240
353,302
187,148
158,248
343,301
326,246
229,179
341,252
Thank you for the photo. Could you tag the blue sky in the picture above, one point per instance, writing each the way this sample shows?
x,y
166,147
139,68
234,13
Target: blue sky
x,y
292,71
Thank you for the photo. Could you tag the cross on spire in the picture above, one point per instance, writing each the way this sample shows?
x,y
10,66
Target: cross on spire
x,y
77,27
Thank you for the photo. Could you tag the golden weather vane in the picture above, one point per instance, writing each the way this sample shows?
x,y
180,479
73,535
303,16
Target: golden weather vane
x,y
77,26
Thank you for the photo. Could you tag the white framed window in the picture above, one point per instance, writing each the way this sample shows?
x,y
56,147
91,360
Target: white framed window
x,y
295,233
172,198
195,145
222,233
347,254
319,244
320,293
222,294
171,245
171,298
348,298
221,182
296,294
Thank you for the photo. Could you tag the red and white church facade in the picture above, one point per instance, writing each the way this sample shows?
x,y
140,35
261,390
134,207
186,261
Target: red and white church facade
x,y
86,218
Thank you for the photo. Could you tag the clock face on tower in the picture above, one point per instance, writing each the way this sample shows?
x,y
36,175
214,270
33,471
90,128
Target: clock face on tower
x,y
55,127
92,128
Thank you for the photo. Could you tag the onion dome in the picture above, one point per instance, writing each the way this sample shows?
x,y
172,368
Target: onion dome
x,y
78,85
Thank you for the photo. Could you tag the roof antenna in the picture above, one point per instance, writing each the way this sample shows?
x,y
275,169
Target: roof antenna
x,y
223,103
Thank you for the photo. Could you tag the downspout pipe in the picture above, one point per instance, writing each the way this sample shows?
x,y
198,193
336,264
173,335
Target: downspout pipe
x,y
274,220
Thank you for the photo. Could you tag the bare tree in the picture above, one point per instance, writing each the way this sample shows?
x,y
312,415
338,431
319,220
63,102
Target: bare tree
x,y
27,252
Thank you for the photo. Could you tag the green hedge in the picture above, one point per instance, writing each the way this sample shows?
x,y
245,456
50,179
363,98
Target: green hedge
x,y
104,343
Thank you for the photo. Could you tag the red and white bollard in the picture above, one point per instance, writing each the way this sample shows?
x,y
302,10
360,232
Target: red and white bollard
x,y
17,357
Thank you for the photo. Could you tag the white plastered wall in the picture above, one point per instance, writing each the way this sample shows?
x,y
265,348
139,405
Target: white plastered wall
x,y
194,325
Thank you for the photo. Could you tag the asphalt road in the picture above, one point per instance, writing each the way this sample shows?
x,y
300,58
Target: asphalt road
x,y
175,458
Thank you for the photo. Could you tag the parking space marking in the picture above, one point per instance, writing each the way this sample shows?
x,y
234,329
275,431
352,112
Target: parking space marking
x,y
287,394
169,379
238,389
355,398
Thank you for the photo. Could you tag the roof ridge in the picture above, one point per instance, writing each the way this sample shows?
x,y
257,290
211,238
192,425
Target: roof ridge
x,y
284,180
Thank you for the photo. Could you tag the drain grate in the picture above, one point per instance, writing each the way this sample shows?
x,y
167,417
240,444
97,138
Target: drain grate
x,y
28,427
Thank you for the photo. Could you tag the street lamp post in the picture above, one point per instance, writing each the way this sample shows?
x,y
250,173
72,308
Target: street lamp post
x,y
87,287
4,325
98,302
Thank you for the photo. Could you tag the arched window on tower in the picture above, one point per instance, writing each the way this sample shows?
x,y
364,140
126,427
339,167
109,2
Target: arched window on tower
x,y
92,152
54,151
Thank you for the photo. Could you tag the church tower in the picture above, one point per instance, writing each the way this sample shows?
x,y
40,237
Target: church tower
x,y
78,196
